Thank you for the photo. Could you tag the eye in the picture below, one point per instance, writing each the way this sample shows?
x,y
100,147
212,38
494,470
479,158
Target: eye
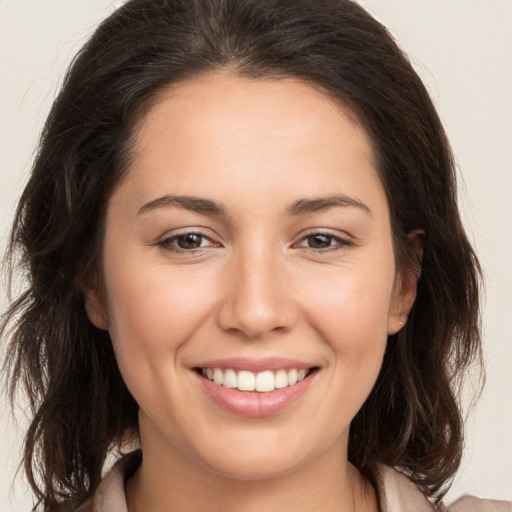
x,y
187,242
190,241
323,241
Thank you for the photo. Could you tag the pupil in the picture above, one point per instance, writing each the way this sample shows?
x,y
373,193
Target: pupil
x,y
319,241
190,241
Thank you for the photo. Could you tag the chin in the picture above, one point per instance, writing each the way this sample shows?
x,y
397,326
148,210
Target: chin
x,y
257,468
258,458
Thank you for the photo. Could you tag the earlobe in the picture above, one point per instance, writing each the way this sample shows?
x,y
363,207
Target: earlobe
x,y
406,284
95,307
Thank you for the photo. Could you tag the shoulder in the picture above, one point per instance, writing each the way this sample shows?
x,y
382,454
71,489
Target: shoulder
x,y
395,491
398,494
471,504
110,495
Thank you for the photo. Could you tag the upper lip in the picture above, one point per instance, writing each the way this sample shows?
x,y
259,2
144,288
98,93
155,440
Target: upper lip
x,y
255,365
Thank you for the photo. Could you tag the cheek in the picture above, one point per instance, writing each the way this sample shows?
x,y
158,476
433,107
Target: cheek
x,y
350,310
153,310
356,302
152,314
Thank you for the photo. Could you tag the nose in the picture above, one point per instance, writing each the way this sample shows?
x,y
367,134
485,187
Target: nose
x,y
258,298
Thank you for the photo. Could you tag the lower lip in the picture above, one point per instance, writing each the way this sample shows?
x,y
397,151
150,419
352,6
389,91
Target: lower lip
x,y
254,403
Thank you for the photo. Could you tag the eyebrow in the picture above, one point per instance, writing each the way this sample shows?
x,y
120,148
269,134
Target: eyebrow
x,y
314,205
194,204
301,207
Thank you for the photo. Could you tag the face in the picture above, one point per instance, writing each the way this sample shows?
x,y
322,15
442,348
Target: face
x,y
249,247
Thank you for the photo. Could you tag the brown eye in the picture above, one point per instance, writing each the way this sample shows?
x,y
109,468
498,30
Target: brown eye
x,y
186,242
322,242
319,241
189,241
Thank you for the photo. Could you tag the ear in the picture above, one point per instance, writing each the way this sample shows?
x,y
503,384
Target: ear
x,y
406,284
95,306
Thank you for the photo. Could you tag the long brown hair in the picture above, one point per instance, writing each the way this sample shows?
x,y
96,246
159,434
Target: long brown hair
x,y
80,405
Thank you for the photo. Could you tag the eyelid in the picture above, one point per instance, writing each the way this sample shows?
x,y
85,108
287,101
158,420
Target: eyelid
x,y
344,240
166,241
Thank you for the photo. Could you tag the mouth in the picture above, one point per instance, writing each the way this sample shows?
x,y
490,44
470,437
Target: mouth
x,y
264,381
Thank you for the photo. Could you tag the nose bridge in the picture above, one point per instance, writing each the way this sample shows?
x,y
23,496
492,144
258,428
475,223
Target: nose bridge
x,y
257,299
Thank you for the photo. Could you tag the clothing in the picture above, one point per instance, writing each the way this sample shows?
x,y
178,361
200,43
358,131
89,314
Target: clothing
x,y
396,492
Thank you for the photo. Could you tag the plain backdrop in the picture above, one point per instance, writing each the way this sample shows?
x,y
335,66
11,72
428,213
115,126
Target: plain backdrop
x,y
463,51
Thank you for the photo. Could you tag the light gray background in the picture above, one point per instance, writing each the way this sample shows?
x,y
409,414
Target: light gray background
x,y
463,51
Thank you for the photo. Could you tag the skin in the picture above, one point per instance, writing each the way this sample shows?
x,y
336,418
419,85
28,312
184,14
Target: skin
x,y
256,287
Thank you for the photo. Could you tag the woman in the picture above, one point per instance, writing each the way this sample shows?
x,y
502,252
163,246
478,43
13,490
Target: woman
x,y
244,250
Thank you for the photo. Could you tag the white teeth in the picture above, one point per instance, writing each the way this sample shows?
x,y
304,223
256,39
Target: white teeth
x,y
262,382
292,377
246,381
265,381
230,379
218,377
281,379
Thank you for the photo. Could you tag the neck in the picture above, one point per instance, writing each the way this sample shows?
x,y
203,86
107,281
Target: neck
x,y
173,482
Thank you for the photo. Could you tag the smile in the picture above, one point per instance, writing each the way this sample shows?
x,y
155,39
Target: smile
x,y
262,382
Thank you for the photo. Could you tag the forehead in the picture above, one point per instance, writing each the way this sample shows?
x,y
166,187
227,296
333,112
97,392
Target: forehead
x,y
249,134
214,102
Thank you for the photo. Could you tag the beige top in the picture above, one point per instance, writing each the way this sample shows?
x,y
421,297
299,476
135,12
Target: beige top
x,y
396,493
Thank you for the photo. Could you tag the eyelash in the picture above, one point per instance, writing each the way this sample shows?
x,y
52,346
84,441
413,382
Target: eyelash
x,y
168,243
340,242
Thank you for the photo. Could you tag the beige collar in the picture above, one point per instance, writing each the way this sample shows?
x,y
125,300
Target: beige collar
x,y
396,492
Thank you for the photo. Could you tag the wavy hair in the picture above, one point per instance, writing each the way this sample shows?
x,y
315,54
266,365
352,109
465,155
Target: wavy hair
x,y
80,406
